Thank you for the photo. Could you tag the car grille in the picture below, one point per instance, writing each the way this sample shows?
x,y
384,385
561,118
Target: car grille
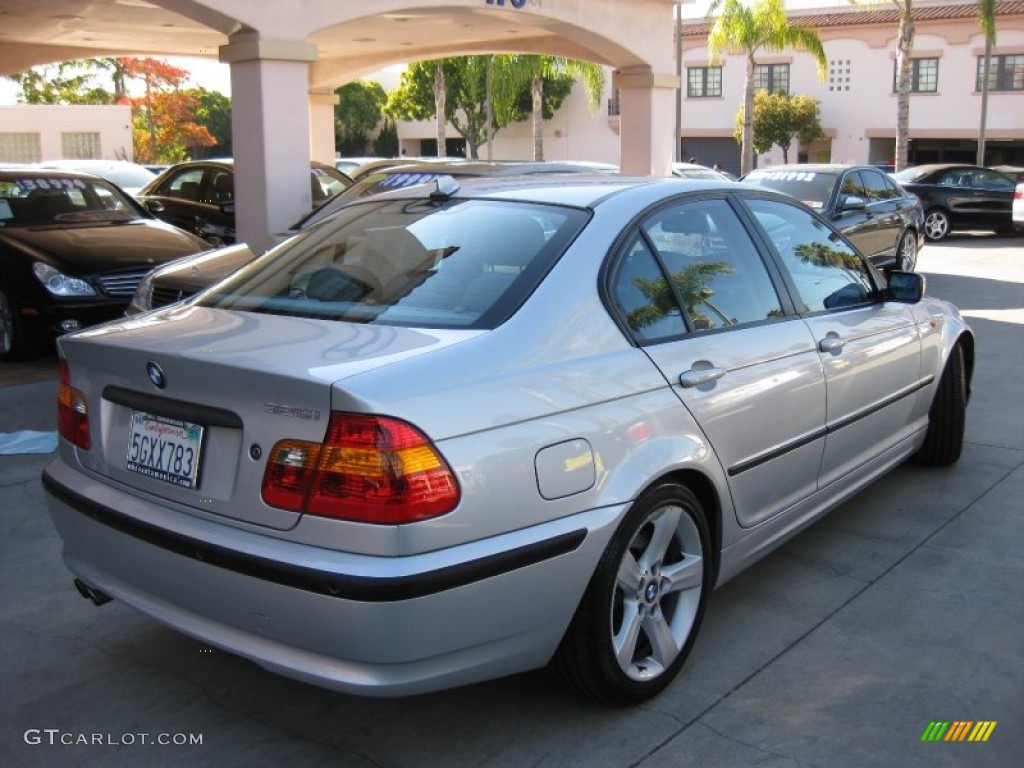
x,y
120,284
163,296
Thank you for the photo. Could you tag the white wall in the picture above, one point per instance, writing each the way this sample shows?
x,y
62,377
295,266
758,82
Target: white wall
x,y
112,122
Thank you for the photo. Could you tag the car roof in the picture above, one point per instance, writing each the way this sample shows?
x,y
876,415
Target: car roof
x,y
816,168
50,173
583,190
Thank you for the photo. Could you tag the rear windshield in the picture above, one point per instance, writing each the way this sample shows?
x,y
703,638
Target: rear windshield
x,y
809,187
415,263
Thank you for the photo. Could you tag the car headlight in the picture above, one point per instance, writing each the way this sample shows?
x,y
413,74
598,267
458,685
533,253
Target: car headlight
x,y
142,300
60,284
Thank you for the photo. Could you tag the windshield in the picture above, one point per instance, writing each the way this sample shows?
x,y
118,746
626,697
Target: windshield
x,y
416,263
809,187
38,200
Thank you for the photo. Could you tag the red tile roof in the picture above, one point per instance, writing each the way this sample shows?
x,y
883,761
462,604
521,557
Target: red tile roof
x,y
875,15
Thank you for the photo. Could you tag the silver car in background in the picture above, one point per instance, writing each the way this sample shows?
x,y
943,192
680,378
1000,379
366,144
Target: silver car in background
x,y
464,430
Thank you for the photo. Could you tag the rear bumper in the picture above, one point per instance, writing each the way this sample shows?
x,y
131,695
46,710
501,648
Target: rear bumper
x,y
377,626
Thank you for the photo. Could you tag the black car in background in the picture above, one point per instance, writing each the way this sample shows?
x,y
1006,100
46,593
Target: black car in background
x,y
958,197
199,196
873,212
73,248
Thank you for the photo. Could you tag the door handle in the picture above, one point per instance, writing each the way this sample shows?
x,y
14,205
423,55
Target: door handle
x,y
697,376
831,343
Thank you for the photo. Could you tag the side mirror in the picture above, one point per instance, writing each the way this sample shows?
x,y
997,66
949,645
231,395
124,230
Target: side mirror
x,y
154,206
905,287
853,203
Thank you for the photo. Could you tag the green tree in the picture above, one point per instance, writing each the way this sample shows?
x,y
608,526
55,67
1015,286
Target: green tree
x,y
778,117
386,143
745,30
214,114
514,72
356,115
70,82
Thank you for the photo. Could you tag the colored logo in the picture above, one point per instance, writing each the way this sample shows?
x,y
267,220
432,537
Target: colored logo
x,y
156,375
958,730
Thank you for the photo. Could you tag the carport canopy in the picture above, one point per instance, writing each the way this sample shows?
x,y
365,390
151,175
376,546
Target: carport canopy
x,y
287,58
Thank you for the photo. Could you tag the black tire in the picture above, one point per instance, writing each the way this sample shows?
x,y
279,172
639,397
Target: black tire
x,y
662,547
906,256
13,345
936,224
948,416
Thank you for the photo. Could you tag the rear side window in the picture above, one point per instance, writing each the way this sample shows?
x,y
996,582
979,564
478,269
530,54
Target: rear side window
x,y
416,263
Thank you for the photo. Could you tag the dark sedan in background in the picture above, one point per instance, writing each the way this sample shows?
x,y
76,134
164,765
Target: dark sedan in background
x,y
73,248
199,196
959,197
874,213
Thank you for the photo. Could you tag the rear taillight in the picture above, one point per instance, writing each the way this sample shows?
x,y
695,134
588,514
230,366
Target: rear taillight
x,y
369,469
72,411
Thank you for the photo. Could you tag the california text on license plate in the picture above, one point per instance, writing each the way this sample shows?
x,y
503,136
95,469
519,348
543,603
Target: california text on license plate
x,y
163,448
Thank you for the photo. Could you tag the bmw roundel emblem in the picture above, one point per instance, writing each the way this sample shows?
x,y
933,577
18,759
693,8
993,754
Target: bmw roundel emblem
x,y
156,374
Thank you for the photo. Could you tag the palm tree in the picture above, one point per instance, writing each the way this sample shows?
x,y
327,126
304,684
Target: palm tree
x,y
747,29
439,105
513,72
987,22
904,50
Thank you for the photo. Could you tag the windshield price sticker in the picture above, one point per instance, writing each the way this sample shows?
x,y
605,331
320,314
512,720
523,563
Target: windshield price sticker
x,y
31,185
164,449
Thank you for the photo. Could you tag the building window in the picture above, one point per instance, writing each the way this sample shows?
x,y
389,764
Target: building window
x,y
1006,73
773,78
80,146
20,148
703,82
924,75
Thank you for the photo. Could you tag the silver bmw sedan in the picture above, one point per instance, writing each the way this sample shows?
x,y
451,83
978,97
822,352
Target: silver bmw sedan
x,y
467,429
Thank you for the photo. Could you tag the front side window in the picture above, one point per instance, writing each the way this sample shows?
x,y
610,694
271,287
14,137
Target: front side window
x,y
877,187
773,78
703,82
696,256
828,274
416,263
184,185
1006,73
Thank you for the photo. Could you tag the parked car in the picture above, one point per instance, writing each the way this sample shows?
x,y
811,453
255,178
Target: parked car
x,y
695,171
469,428
884,221
130,177
73,247
199,196
186,277
1018,207
958,197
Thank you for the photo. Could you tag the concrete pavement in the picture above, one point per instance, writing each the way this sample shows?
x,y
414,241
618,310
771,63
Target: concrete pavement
x,y
903,607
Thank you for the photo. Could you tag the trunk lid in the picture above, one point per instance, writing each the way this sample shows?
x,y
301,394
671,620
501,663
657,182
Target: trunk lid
x,y
247,380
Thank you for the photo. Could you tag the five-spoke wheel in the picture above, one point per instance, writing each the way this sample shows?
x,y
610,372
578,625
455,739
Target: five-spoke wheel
x,y
640,614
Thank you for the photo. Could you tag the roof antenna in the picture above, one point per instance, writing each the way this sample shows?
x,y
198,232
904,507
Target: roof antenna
x,y
445,187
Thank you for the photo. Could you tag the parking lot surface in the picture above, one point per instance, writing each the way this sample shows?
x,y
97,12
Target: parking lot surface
x,y
902,608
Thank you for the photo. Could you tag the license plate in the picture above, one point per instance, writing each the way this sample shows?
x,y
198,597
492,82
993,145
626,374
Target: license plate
x,y
165,449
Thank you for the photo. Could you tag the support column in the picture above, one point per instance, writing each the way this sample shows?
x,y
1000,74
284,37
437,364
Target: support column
x,y
321,125
646,122
270,133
